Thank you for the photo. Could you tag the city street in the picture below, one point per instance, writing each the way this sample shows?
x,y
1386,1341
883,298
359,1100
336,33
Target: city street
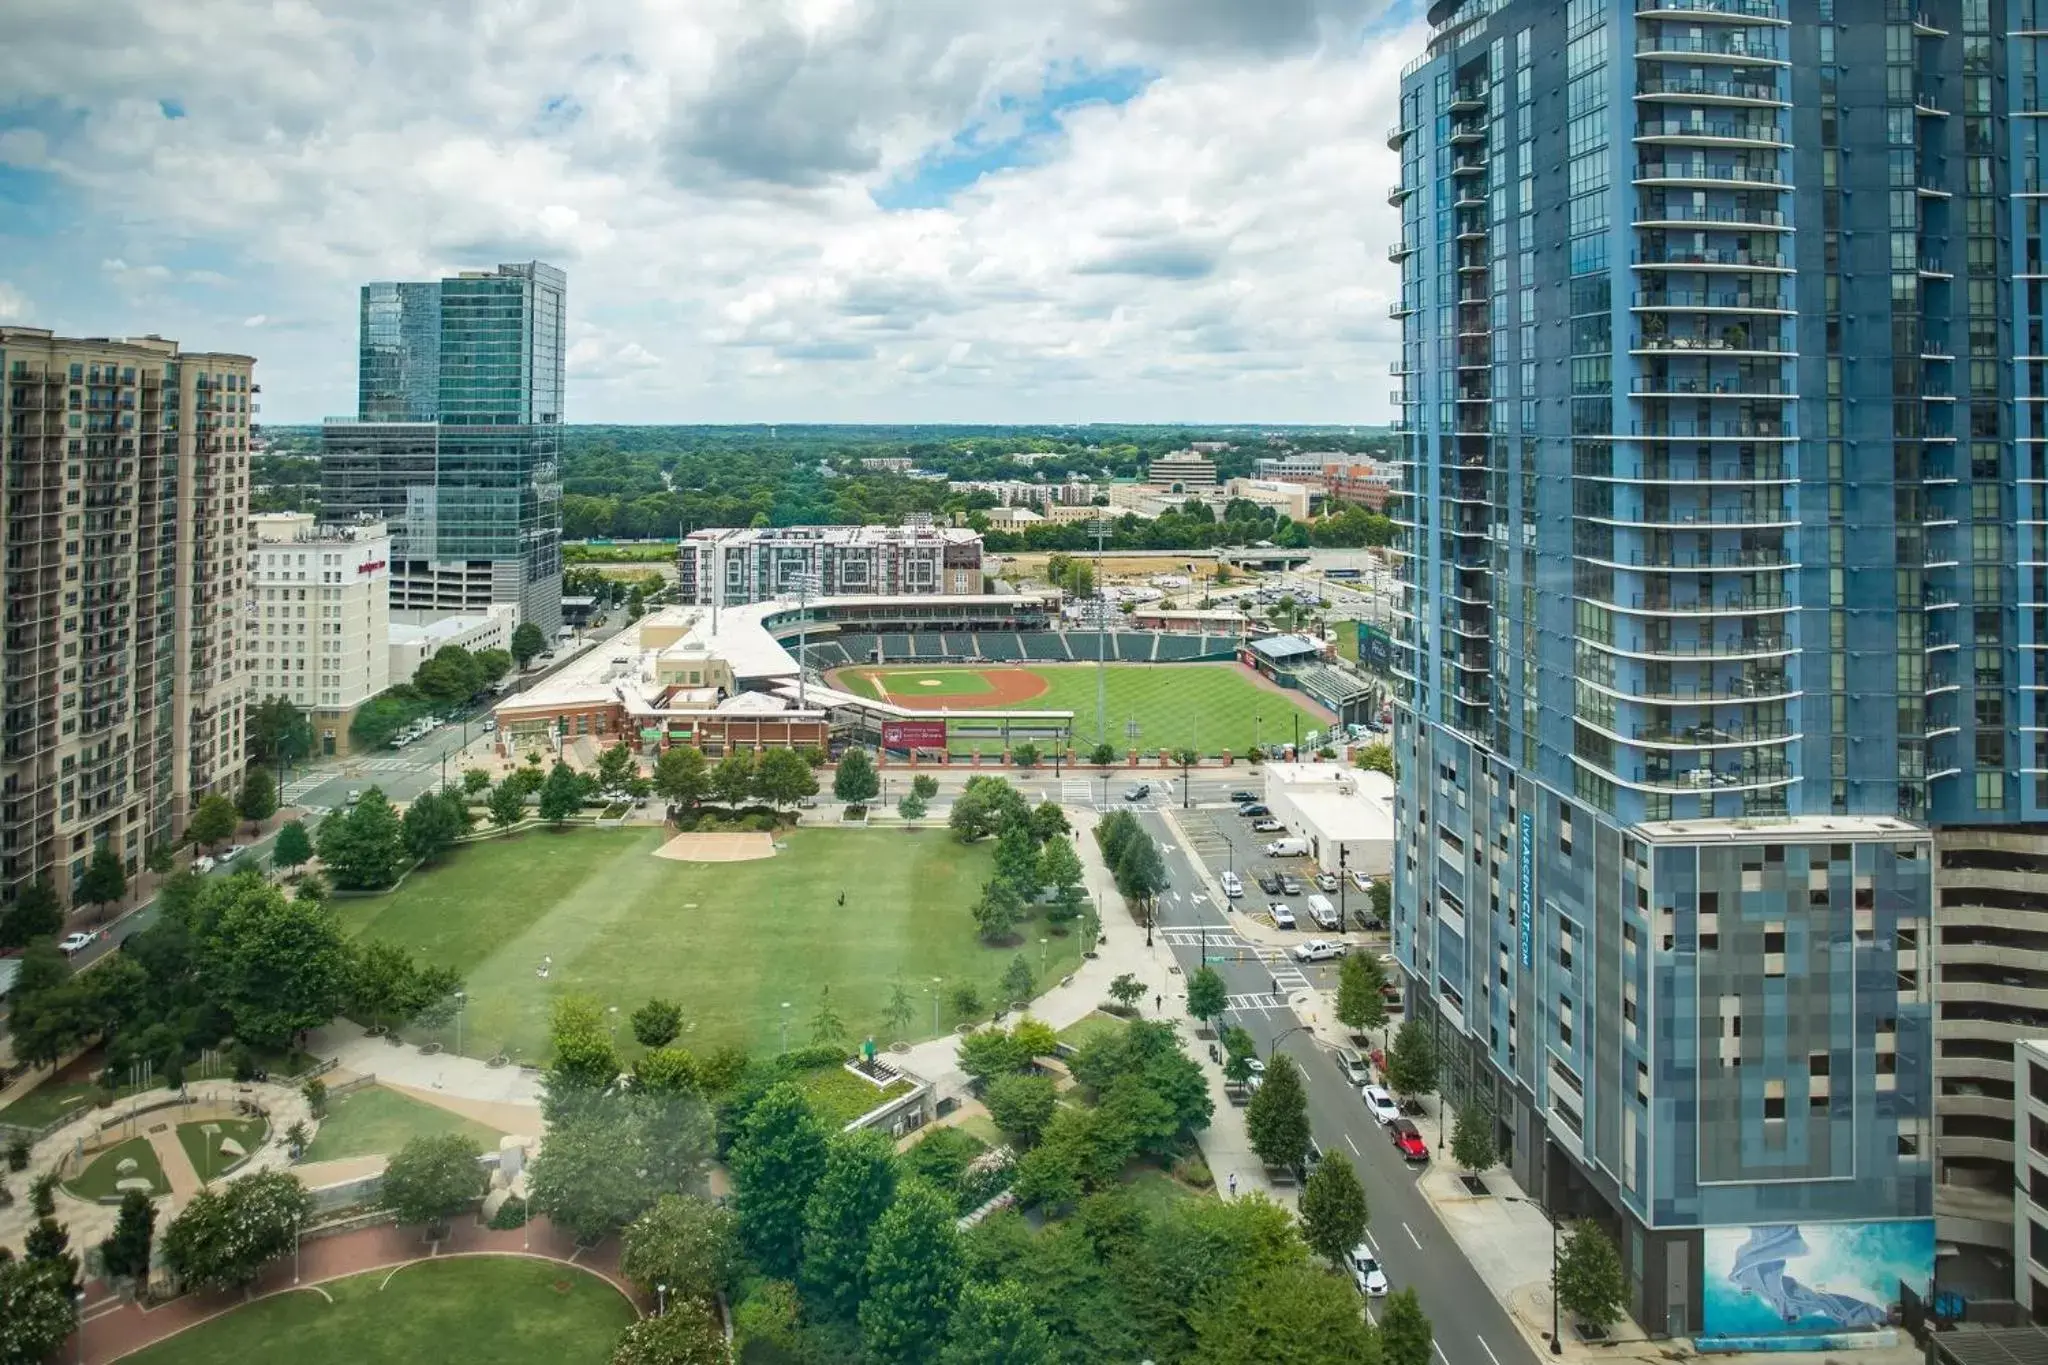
x,y
1472,1328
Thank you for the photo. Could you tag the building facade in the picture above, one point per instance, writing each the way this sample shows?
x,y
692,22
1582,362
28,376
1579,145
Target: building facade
x,y
121,568
1709,614
1182,472
761,564
1362,483
456,443
320,618
2029,1190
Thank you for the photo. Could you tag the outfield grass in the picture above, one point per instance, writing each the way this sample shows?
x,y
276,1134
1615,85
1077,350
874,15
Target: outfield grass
x,y
375,1121
99,1178
1207,707
472,1310
729,941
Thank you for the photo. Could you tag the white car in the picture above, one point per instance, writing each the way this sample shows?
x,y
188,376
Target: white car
x,y
230,853
1267,826
1318,950
1326,881
1233,885
1366,1272
74,943
202,864
1283,918
1258,1076
1380,1102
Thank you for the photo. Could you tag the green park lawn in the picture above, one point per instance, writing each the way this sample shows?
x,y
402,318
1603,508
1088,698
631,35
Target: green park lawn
x,y
203,1148
1090,1026
374,1121
99,1178
730,942
1206,707
473,1310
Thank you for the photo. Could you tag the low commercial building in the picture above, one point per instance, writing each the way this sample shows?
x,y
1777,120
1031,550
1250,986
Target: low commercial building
x,y
1295,501
1345,815
1193,622
319,618
1362,482
1184,471
412,644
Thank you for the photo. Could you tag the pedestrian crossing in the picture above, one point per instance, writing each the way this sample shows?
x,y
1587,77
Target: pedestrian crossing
x,y
1262,1002
1288,978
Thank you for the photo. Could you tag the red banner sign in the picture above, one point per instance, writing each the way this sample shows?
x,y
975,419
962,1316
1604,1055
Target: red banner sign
x,y
913,734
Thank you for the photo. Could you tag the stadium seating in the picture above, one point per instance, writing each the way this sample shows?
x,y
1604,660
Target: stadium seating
x,y
860,649
957,646
1042,644
897,646
825,654
927,644
1001,645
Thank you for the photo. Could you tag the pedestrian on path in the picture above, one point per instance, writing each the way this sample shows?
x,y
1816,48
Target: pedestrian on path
x,y
1233,1184
1159,1004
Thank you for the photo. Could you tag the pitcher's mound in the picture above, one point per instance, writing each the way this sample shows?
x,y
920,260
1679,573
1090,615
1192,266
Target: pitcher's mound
x,y
717,848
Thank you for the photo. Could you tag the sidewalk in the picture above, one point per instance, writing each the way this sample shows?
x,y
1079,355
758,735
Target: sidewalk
x,y
440,1073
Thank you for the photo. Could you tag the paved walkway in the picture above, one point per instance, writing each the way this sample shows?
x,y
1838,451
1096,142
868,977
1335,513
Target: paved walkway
x,y
404,1065
114,1328
177,1164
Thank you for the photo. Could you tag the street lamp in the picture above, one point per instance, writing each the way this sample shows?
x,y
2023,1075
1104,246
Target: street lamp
x,y
1272,1046
1044,955
295,1248
661,1300
933,990
461,1001
785,1026
1556,1344
78,1299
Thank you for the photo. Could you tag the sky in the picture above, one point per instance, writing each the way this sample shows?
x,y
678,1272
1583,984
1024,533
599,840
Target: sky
x,y
983,211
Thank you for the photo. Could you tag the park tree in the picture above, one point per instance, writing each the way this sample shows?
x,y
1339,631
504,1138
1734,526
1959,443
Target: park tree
x,y
1017,859
1017,983
687,1334
686,1243
732,781
363,848
856,1189
1059,867
913,1273
924,786
1377,757
1239,1051
616,767
587,1176
1333,1212
294,847
258,801
1590,1283
1360,1005
1021,1105
1126,990
1276,1119
898,1013
105,880
34,914
1103,755
213,822
280,734
561,796
432,824
1405,1335
996,1324
37,1313
275,966
475,781
125,1253
1048,821
1412,1062
826,1026
998,910
783,778
1472,1144
585,1059
681,777
1207,995
1140,871
527,643
432,1178
225,1235
668,1071
911,807
987,805
656,1023
856,782
1288,1314
776,1162
507,804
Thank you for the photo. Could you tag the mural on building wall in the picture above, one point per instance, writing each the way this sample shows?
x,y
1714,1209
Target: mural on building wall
x,y
1812,1277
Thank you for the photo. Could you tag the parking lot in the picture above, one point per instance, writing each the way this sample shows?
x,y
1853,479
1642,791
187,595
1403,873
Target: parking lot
x,y
1224,841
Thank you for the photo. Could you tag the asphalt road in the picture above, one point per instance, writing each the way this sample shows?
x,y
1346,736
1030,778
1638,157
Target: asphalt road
x,y
1414,1248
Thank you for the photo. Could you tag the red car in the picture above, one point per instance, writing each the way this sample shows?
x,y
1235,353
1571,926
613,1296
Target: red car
x,y
1409,1139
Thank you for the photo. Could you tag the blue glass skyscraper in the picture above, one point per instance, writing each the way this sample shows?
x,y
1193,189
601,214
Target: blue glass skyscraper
x,y
1712,599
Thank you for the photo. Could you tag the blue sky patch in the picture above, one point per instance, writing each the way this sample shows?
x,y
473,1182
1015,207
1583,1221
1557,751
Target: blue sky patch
x,y
173,109
1013,134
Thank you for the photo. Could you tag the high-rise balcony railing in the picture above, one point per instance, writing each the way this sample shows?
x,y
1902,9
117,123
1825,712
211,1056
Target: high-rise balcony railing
x,y
1756,517
1740,47
1699,171
1711,431
1711,132
1771,11
1738,386
1734,258
1658,86
1729,300
1652,212
1694,561
1762,645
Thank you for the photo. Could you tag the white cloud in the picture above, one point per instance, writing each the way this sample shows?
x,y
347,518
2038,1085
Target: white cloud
x,y
14,305
704,170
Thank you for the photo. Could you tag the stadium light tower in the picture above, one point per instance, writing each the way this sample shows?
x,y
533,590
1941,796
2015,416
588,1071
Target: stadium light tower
x,y
806,583
1101,522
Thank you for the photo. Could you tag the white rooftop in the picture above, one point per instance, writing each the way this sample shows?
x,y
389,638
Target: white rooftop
x,y
440,628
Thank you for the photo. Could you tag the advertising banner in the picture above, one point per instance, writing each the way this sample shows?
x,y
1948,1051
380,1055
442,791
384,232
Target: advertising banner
x,y
1375,648
913,734
1812,1278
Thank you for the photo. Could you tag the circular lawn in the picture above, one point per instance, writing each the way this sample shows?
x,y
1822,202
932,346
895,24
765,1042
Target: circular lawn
x,y
468,1310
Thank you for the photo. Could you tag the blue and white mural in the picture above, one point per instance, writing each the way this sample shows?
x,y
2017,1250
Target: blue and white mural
x,y
1812,1277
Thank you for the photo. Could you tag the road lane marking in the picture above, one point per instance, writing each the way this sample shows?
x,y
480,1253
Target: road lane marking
x,y
1376,1322
1484,1347
1352,1145
1411,1236
1369,1241
1440,1352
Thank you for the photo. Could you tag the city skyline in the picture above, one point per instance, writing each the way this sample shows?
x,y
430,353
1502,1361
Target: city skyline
x,y
1131,211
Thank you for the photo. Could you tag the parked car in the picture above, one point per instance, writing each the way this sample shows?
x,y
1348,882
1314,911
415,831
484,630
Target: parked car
x,y
1258,1076
1267,826
1380,1101
1233,885
1408,1138
74,943
1139,792
490,724
1318,950
1254,809
1355,1066
1283,918
1269,882
1326,881
230,853
1290,884
1243,797
353,797
1366,1272
1287,848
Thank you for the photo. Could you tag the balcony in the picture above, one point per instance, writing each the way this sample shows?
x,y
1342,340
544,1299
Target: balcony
x,y
1713,561
1655,215
1397,135
1707,519
1399,251
1745,386
1709,11
1711,133
1741,94
1469,166
1928,105
1468,99
1709,431
1766,645
1709,175
1733,49
1712,258
1396,193
1401,308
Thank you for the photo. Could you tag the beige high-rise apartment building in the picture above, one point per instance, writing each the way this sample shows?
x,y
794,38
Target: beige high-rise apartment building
x,y
319,618
122,544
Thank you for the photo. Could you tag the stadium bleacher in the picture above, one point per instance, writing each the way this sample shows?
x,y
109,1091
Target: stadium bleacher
x,y
825,654
1002,645
1041,644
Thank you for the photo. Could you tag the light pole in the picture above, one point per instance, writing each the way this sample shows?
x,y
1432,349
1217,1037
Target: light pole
x,y
937,981
461,1001
295,1250
1272,1046
1044,956
785,1026
661,1300
78,1300
1255,732
1556,1344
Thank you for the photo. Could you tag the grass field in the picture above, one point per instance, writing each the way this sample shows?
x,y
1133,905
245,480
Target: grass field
x,y
203,1149
103,1173
1208,707
729,941
375,1121
478,1310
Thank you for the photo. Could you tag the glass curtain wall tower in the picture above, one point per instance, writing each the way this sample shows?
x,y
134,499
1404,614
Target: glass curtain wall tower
x,y
1708,602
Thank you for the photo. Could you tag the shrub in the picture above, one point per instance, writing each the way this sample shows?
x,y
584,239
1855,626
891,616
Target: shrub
x,y
1192,1170
511,1214
315,1092
242,1061
17,1155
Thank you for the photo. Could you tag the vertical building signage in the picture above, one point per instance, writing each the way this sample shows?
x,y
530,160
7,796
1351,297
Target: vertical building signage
x,y
1528,889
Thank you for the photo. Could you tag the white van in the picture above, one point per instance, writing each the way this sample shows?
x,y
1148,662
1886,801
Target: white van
x,y
1287,848
1233,885
1324,913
